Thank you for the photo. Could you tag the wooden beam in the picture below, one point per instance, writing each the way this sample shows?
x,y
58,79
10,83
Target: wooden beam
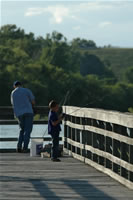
x,y
123,119
100,131
6,112
15,122
101,168
101,153
16,139
109,172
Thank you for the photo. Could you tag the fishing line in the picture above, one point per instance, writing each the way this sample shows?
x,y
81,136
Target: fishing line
x,y
64,100
76,110
87,105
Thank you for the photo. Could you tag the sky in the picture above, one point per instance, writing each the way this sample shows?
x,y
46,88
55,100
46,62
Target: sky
x,y
105,22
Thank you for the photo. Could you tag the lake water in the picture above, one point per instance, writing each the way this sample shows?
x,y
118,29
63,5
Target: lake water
x,y
12,131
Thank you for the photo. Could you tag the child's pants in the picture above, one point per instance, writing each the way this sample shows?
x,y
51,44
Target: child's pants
x,y
55,145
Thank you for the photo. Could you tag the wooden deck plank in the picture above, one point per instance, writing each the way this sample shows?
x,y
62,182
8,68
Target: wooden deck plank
x,y
25,178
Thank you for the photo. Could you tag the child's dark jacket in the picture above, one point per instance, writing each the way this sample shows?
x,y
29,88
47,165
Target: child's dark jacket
x,y
52,117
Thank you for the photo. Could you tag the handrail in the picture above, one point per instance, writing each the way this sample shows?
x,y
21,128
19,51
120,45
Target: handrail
x,y
6,112
101,138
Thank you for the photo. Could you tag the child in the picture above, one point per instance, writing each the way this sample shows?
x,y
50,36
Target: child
x,y
54,129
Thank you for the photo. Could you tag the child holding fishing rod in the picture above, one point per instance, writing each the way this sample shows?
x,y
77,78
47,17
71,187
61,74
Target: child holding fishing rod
x,y
54,129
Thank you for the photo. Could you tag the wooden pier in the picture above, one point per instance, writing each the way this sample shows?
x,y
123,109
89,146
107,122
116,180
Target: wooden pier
x,y
24,178
98,164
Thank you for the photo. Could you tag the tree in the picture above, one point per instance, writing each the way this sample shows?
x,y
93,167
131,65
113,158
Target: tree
x,y
129,75
83,43
6,55
91,64
51,67
6,85
59,53
10,32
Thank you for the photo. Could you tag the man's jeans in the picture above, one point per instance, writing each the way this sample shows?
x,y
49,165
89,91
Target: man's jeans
x,y
25,124
55,145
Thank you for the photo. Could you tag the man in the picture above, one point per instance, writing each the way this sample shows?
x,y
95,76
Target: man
x,y
23,100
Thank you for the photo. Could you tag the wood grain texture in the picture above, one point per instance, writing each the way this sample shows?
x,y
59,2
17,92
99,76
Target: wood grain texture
x,y
100,131
124,119
25,178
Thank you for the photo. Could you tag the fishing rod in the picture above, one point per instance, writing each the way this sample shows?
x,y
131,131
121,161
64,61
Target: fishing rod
x,y
65,98
63,102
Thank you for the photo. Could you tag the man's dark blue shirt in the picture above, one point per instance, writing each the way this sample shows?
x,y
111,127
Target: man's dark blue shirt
x,y
52,117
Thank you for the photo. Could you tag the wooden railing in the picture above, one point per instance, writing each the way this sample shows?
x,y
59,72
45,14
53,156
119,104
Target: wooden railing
x,y
6,112
103,139
7,118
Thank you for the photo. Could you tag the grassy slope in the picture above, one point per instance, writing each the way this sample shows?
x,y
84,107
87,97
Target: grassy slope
x,y
119,58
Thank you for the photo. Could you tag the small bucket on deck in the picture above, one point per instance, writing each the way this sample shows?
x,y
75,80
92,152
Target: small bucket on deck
x,y
36,147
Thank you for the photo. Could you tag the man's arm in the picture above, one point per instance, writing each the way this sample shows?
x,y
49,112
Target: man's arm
x,y
31,97
33,102
11,99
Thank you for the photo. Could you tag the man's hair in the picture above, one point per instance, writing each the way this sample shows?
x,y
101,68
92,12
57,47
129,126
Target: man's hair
x,y
52,104
17,83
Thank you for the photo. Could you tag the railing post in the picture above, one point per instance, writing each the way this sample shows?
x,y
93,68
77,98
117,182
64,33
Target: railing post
x,y
84,136
65,135
124,151
94,142
89,139
116,148
131,154
73,138
108,144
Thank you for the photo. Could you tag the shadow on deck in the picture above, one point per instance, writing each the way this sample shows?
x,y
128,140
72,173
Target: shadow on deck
x,y
24,177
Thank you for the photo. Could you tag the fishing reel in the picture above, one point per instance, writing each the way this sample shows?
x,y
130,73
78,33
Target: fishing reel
x,y
62,115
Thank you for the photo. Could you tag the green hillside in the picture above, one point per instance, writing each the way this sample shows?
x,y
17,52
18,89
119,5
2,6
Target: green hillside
x,y
118,59
53,67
